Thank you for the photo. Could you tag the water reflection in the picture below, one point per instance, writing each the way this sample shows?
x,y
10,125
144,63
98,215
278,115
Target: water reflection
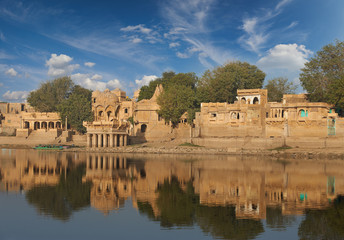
x,y
227,197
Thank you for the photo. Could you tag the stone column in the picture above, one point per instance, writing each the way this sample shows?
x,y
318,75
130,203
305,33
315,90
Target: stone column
x,y
105,140
94,140
89,140
116,138
100,138
121,140
125,140
111,140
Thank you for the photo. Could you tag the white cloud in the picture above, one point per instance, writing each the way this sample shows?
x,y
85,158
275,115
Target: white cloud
x,y
285,56
15,95
145,80
2,37
97,77
255,28
93,82
138,28
112,84
136,40
281,4
174,44
89,64
59,65
293,24
12,72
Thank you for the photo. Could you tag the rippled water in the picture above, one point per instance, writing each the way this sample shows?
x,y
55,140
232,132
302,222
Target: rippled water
x,y
65,195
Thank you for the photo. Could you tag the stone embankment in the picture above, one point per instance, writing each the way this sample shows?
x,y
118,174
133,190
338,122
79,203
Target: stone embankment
x,y
187,149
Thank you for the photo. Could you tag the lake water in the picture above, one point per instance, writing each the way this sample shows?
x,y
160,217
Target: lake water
x,y
68,195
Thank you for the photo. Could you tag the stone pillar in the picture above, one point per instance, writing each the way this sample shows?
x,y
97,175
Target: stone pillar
x,y
94,140
89,140
100,138
116,140
125,140
120,140
111,140
105,140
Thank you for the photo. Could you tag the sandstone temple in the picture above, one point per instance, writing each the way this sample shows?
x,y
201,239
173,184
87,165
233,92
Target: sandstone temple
x,y
250,122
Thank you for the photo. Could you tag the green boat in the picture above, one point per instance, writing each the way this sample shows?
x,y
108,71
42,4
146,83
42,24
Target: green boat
x,y
48,147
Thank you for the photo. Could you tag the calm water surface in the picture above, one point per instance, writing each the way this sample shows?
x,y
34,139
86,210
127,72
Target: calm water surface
x,y
64,195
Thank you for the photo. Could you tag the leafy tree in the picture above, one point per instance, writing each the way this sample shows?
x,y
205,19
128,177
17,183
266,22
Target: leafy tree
x,y
50,94
77,108
174,101
221,84
323,76
147,92
277,87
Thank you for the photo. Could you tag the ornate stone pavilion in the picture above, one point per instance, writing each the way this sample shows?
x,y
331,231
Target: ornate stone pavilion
x,y
109,128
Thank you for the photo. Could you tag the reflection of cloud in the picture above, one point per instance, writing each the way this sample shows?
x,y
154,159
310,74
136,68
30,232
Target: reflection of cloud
x,y
15,95
59,65
285,56
11,72
145,80
93,82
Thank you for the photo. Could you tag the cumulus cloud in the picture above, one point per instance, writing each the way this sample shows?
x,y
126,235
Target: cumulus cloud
x,y
89,64
15,95
145,80
11,72
285,56
138,28
136,40
60,65
93,82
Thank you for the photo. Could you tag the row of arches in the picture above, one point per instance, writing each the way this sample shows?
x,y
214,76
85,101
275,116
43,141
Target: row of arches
x,y
254,100
109,113
42,125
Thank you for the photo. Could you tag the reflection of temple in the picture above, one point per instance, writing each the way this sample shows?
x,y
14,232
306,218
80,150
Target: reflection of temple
x,y
250,185
24,169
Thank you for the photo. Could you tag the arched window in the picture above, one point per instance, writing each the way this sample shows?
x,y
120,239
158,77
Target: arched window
x,y
100,113
125,110
302,113
108,114
243,100
143,128
255,100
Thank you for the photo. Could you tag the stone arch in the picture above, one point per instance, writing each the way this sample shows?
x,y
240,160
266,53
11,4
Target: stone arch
x,y
44,125
51,125
58,125
26,124
243,100
36,126
255,100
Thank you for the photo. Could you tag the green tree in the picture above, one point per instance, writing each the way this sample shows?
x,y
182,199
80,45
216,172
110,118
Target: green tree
x,y
277,87
147,92
323,76
50,94
222,83
174,101
77,108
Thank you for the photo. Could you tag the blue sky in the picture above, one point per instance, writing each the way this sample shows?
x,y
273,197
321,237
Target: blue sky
x,y
109,44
